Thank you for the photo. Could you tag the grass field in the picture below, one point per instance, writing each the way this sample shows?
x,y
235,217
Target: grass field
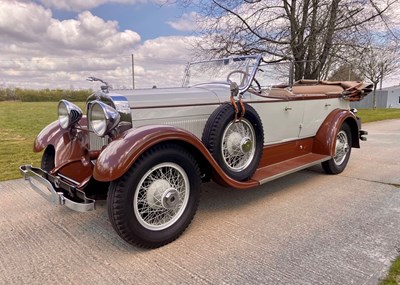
x,y
19,125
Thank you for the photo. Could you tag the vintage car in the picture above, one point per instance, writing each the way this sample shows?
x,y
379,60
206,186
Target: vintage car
x,y
239,121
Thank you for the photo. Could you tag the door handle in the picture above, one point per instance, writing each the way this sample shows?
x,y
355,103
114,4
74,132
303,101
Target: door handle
x,y
288,108
327,105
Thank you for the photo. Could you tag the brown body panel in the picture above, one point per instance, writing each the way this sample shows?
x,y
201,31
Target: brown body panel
x,y
120,154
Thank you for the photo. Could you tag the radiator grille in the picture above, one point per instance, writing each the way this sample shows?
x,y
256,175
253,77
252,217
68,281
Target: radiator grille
x,y
96,142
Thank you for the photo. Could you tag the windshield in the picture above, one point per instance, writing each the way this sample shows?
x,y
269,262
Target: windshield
x,y
239,69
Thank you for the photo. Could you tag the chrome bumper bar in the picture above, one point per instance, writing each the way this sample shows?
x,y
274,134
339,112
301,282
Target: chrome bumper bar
x,y
40,182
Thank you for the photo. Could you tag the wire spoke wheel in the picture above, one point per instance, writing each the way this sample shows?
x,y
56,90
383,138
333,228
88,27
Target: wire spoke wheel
x,y
342,151
342,147
161,196
238,145
155,200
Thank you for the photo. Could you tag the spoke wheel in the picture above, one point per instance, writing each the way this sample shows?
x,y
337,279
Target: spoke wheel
x,y
342,151
161,196
342,147
236,146
155,200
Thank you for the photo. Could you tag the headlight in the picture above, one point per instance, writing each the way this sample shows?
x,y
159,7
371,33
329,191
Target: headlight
x,y
68,114
102,118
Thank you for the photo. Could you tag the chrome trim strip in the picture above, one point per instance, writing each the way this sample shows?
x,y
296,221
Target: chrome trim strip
x,y
33,174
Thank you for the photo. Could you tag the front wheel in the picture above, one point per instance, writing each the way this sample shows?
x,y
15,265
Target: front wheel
x,y
155,201
342,151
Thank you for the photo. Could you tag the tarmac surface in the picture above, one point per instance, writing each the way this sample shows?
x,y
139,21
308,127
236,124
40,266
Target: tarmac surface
x,y
305,228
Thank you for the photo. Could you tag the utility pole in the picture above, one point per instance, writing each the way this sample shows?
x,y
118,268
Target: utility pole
x,y
133,71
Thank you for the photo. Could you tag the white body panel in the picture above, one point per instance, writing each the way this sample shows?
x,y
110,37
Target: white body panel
x,y
283,119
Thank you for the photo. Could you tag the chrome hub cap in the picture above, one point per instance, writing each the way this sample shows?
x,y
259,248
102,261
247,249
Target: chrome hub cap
x,y
170,198
342,148
238,145
246,145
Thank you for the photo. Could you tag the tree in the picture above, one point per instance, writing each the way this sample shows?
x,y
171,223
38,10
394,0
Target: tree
x,y
346,72
377,62
311,32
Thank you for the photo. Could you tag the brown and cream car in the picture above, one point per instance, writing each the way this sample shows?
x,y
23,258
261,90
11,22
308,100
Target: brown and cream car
x,y
237,121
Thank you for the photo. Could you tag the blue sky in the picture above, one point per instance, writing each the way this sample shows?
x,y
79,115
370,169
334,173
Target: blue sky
x,y
147,19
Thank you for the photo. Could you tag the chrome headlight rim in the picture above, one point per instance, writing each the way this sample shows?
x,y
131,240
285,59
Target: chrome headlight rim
x,y
68,114
102,118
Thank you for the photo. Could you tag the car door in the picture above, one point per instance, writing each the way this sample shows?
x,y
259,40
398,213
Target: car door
x,y
281,120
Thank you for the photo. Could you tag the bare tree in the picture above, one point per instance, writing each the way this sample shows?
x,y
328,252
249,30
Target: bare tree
x,y
309,30
377,62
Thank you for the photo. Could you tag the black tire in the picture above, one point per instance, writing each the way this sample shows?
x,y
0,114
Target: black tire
x,y
343,143
48,158
246,155
134,210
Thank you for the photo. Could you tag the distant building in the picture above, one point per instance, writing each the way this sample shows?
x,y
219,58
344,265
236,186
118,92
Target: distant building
x,y
388,97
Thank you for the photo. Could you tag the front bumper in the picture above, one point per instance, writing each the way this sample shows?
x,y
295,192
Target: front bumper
x,y
42,182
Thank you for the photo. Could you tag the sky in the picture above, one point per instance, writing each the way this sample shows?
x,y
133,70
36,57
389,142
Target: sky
x,y
59,43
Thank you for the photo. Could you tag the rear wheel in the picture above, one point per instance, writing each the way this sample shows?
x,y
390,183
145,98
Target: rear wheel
x,y
342,151
155,201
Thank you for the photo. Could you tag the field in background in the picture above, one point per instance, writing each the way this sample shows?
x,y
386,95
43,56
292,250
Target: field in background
x,y
368,115
45,95
20,122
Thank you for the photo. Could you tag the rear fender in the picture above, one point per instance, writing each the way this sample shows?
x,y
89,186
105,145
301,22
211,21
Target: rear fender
x,y
115,160
325,138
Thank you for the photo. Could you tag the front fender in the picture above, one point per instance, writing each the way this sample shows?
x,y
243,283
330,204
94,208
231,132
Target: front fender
x,y
115,160
51,135
325,138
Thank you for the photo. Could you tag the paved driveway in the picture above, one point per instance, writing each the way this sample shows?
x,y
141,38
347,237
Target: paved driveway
x,y
306,228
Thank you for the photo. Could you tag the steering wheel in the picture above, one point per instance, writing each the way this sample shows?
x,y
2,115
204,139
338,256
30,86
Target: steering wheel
x,y
243,79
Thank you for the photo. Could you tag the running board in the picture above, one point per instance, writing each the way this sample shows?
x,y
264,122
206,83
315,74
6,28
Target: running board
x,y
278,170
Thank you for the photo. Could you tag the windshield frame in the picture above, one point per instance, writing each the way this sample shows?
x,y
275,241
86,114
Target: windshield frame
x,y
242,88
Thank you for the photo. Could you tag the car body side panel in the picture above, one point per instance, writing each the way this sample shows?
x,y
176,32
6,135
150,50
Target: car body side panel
x,y
281,120
121,153
315,113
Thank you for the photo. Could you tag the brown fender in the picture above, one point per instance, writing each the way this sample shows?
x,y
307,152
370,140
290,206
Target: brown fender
x,y
121,153
51,134
325,138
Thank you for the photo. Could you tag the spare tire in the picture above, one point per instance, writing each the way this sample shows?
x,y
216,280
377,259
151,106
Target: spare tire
x,y
236,146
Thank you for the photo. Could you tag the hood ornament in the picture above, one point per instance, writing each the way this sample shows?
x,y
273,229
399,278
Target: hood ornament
x,y
104,88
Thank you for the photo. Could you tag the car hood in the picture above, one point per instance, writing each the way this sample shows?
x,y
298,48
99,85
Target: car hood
x,y
182,96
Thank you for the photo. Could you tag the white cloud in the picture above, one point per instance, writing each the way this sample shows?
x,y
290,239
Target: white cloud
x,y
188,22
23,21
92,33
39,51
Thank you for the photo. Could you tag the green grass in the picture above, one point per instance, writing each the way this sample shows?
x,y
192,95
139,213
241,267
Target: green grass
x,y
369,115
20,123
393,276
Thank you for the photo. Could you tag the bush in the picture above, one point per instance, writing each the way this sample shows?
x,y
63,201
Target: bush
x,y
45,95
